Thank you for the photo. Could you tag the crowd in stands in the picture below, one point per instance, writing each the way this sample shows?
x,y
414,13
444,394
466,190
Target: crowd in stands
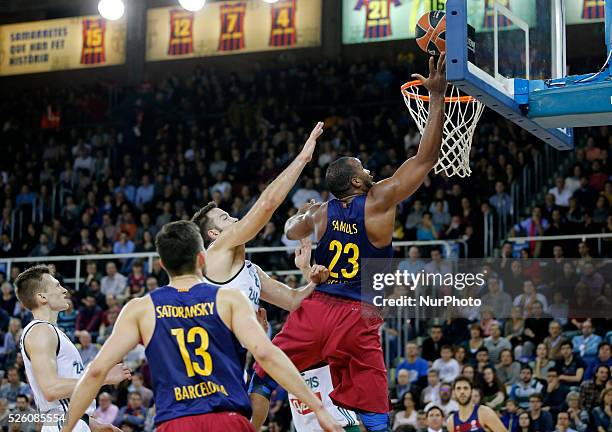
x,y
103,179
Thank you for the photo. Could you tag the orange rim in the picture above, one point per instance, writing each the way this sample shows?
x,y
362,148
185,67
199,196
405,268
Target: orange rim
x,y
447,99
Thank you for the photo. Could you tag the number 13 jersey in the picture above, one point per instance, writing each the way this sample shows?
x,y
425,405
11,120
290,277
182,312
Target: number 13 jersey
x,y
343,247
196,362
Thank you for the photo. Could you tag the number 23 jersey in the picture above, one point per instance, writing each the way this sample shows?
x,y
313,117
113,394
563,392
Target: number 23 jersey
x,y
343,247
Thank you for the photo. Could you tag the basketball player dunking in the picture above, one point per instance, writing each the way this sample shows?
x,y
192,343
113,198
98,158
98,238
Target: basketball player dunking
x,y
334,325
225,238
470,417
194,334
53,364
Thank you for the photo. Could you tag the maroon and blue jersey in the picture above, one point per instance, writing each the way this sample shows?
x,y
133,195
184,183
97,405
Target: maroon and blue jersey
x,y
378,17
232,26
472,424
593,9
343,247
197,364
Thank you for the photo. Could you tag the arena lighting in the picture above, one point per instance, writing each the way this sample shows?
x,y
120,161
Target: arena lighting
x,y
270,1
111,9
192,5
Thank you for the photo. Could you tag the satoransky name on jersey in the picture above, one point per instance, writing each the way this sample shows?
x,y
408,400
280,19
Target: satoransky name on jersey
x,y
196,310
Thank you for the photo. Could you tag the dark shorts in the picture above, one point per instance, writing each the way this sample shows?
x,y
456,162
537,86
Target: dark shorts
x,y
344,334
222,421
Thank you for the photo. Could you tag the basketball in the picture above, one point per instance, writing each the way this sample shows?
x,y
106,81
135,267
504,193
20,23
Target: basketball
x,y
430,32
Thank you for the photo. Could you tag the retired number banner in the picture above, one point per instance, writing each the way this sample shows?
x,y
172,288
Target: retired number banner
x,y
68,43
232,27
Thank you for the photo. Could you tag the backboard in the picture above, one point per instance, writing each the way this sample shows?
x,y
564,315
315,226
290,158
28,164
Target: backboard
x,y
515,63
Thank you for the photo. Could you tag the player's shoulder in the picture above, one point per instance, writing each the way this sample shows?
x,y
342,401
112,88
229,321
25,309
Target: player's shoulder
x,y
137,305
40,335
485,412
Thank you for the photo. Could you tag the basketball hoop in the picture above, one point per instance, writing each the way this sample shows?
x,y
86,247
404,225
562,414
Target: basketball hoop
x,y
461,116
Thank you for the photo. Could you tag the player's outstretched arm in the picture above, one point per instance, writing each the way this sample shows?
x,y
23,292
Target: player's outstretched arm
x,y
387,193
271,198
124,338
490,419
237,314
285,297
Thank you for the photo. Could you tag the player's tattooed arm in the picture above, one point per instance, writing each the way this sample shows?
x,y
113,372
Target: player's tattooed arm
x,y
410,175
271,198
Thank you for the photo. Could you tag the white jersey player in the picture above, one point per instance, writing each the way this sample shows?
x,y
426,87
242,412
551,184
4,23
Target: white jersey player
x,y
52,362
304,420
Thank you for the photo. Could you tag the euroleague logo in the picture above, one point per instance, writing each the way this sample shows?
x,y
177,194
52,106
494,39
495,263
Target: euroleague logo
x,y
300,407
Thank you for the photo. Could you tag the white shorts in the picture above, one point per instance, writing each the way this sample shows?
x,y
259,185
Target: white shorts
x,y
81,426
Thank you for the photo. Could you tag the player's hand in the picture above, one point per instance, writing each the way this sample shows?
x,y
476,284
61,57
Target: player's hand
x,y
436,82
327,422
262,318
318,274
96,426
117,374
311,142
303,254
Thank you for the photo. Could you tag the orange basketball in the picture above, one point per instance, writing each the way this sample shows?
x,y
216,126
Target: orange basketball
x,y
430,32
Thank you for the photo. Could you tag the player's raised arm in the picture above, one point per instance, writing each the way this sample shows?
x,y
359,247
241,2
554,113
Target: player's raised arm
x,y
271,198
125,337
285,297
409,176
238,315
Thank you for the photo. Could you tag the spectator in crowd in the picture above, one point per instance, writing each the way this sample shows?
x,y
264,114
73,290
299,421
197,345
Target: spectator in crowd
x,y
496,343
590,390
604,357
586,345
571,367
113,283
408,415
494,391
561,192
563,423
508,370
475,342
402,384
579,417
540,419
524,422
87,350
446,403
510,416
435,419
88,318
542,363
139,387
13,387
499,301
4,414
527,386
448,368
107,411
553,340
555,393
415,365
134,414
25,414
431,393
602,414
433,344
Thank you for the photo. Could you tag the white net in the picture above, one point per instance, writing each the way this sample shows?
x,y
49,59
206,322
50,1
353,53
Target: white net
x,y
462,115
